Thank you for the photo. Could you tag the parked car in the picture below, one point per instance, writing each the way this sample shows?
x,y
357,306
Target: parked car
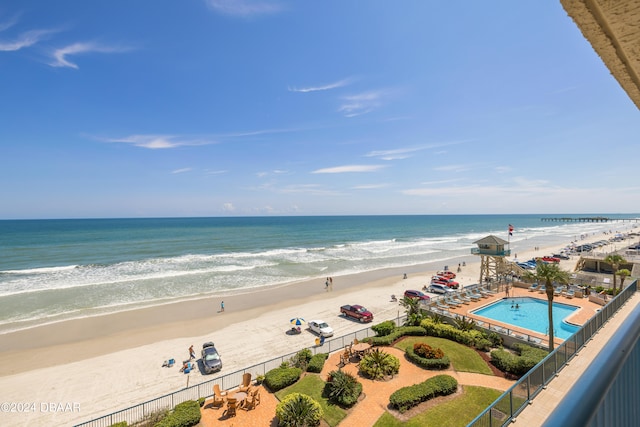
x,y
561,256
437,288
321,328
410,293
444,281
448,274
357,312
211,360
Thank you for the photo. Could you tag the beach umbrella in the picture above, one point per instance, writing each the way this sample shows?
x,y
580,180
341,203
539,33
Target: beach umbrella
x,y
297,321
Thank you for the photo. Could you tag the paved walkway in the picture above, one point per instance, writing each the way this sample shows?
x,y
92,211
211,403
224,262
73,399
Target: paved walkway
x,y
367,411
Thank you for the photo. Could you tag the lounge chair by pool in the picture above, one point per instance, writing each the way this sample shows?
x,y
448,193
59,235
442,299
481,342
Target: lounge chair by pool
x,y
533,287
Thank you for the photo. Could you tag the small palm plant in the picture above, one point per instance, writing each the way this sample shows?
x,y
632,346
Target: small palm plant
x,y
344,388
412,308
464,323
623,273
298,410
378,364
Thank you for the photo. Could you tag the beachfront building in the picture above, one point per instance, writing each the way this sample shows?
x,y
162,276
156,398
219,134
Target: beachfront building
x,y
492,253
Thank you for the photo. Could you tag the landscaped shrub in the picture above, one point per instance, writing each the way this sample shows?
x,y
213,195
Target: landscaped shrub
x,y
301,359
384,328
425,350
378,364
408,397
496,339
279,378
443,330
185,414
441,362
518,364
120,424
396,334
343,389
317,363
298,410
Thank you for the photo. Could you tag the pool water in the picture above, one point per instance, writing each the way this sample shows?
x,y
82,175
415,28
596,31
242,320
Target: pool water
x,y
531,313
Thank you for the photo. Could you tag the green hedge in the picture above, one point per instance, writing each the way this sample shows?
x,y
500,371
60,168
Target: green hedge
x,y
120,424
443,363
396,334
473,338
518,364
408,397
317,363
279,378
384,328
185,414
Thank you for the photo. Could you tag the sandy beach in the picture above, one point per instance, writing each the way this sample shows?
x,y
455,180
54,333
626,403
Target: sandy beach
x,y
90,367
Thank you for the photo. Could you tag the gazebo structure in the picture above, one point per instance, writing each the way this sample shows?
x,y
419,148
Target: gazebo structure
x,y
492,253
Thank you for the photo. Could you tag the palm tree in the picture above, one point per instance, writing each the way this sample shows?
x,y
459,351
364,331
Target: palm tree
x,y
615,260
549,273
414,313
623,273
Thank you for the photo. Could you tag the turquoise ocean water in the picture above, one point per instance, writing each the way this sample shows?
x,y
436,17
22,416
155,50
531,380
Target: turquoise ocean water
x,y
51,270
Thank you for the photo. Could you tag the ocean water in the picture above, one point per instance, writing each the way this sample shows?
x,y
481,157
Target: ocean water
x,y
52,270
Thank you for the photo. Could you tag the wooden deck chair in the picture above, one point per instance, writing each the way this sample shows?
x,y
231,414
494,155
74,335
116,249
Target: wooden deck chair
x,y
232,405
355,341
218,396
246,382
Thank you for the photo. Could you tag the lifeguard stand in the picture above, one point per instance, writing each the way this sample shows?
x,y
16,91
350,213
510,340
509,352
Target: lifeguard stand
x,y
492,253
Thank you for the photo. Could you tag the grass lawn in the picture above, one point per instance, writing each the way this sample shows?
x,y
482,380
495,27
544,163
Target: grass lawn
x,y
455,413
463,358
312,385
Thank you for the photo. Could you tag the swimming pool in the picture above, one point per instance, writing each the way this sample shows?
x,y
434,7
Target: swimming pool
x,y
531,313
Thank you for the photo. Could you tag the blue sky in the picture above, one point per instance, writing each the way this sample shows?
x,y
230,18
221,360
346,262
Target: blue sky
x,y
267,107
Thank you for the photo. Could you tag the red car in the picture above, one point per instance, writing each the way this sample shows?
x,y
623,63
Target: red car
x,y
410,293
448,274
444,281
550,259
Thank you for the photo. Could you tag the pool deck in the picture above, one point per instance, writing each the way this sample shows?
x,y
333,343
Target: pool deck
x,y
586,310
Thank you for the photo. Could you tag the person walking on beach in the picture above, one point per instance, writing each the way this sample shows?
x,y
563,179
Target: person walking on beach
x,y
192,353
222,306
330,283
326,285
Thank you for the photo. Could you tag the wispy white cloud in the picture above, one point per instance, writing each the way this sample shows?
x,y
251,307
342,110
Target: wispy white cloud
x,y
363,103
228,207
452,168
215,172
502,169
183,170
60,55
406,152
244,8
335,85
350,168
370,186
156,142
10,22
270,173
24,40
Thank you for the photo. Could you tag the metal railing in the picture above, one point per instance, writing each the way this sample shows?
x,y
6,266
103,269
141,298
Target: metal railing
x,y
514,400
229,381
